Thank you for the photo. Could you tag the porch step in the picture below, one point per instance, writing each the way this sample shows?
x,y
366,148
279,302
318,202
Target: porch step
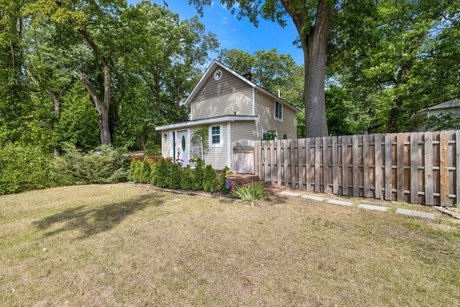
x,y
242,179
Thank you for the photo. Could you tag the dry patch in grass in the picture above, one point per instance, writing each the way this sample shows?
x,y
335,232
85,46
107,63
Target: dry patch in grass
x,y
119,244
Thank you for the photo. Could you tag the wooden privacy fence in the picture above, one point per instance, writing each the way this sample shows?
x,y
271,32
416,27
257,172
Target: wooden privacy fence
x,y
412,167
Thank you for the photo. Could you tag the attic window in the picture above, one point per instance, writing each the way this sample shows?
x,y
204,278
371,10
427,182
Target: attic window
x,y
217,74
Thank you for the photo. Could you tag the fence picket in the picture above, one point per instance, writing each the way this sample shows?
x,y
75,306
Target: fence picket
x,y
443,168
378,166
345,165
388,167
366,163
414,138
355,164
335,167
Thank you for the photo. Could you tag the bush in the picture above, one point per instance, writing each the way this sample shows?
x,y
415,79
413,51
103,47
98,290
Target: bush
x,y
174,178
24,168
132,166
154,172
163,173
199,175
223,179
103,165
186,182
144,171
210,183
251,193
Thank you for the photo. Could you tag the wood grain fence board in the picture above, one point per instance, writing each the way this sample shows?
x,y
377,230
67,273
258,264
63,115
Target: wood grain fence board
x,y
457,167
326,179
335,167
272,162
285,179
278,161
428,168
414,139
388,167
366,163
317,164
301,162
355,164
400,138
443,168
266,161
308,177
257,159
294,151
378,166
345,170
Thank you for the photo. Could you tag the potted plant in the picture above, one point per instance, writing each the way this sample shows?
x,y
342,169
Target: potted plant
x,y
192,162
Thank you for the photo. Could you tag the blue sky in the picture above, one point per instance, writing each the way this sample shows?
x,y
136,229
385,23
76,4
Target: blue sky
x,y
240,34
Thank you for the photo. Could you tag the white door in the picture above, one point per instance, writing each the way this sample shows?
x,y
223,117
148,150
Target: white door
x,y
182,147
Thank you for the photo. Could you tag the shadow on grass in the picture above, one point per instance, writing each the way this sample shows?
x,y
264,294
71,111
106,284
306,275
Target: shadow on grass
x,y
90,221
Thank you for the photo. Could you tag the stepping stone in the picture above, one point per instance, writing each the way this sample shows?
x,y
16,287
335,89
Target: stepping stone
x,y
287,193
372,207
422,214
340,202
317,198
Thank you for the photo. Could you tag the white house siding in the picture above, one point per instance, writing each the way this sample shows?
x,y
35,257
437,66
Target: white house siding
x,y
243,131
265,109
166,143
227,96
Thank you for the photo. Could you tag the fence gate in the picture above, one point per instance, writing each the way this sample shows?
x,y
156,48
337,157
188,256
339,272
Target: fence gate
x,y
243,156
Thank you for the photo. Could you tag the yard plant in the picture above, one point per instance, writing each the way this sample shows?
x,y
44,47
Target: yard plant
x,y
251,193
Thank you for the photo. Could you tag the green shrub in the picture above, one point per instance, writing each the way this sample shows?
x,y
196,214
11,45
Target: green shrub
x,y
136,170
210,183
132,165
154,172
199,175
251,193
24,168
144,172
103,165
163,173
174,178
222,179
186,182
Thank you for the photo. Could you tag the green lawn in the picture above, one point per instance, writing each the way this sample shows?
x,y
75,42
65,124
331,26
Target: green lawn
x,y
126,245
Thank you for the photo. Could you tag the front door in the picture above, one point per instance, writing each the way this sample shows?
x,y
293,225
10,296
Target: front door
x,y
182,147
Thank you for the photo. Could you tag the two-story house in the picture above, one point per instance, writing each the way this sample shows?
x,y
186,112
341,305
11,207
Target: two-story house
x,y
232,108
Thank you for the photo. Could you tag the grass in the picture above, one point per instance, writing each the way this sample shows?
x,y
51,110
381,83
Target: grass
x,y
126,245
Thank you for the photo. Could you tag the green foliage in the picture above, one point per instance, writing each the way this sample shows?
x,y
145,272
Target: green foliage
x,y
154,173
199,175
223,178
132,167
269,135
163,173
443,121
199,141
103,165
23,168
251,194
174,178
186,182
144,172
210,183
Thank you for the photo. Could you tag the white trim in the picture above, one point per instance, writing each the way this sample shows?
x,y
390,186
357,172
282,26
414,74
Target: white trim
x,y
254,101
229,145
206,121
221,130
282,111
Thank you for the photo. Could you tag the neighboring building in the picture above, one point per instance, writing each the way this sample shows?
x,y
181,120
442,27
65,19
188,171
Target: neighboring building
x,y
446,109
233,108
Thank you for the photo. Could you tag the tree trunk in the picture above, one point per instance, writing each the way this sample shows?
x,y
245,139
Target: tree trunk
x,y
104,126
314,40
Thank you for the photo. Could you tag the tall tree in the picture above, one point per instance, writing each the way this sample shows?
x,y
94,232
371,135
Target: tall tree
x,y
312,19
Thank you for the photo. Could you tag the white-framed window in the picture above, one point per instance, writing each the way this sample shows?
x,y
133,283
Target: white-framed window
x,y
215,136
217,74
278,110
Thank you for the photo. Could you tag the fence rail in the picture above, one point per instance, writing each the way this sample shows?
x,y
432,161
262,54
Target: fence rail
x,y
412,167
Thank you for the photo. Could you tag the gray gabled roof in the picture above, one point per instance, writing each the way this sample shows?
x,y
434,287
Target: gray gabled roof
x,y
215,64
454,103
